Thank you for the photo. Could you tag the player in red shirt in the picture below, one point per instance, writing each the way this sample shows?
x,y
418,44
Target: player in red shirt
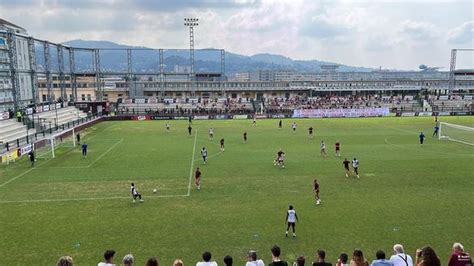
x,y
197,176
346,166
338,149
316,192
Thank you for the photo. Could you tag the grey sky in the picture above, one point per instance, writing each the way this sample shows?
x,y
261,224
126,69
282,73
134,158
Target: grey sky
x,y
391,34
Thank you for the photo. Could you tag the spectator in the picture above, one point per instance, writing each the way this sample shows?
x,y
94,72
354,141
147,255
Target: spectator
x,y
109,258
154,262
459,257
427,257
358,258
206,257
320,261
381,259
276,261
228,260
65,261
252,259
178,262
300,261
342,260
400,258
128,260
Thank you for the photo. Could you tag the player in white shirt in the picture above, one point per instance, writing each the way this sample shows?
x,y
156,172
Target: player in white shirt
x,y
135,193
291,218
322,148
168,126
254,121
293,126
211,133
204,154
355,165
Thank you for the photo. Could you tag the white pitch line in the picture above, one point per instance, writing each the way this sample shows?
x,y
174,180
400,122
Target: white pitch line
x,y
103,154
86,199
192,164
24,173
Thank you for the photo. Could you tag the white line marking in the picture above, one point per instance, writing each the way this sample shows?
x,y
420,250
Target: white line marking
x,y
103,154
87,199
192,164
24,173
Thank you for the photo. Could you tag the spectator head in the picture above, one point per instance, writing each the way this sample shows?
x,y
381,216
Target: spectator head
x,y
458,247
152,262
300,261
206,256
398,248
109,255
128,260
429,256
178,262
344,258
228,260
380,255
321,255
252,255
276,249
65,261
358,256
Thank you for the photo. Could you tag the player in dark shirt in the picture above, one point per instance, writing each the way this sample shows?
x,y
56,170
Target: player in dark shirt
x,y
338,149
197,176
422,137
316,192
32,158
436,131
245,137
84,150
189,128
78,138
310,132
346,163
279,124
222,145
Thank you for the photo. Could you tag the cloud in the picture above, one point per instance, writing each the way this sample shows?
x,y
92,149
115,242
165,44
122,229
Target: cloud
x,y
417,31
464,34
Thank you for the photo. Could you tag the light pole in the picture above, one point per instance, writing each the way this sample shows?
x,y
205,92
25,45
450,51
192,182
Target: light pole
x,y
191,23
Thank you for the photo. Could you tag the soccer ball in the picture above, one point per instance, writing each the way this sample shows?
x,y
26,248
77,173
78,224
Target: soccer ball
x,y
154,190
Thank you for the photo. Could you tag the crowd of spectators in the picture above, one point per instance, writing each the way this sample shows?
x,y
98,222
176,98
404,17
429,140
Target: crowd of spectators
x,y
425,256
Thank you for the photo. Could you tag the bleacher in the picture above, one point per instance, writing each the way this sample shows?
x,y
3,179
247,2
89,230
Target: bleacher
x,y
63,116
11,130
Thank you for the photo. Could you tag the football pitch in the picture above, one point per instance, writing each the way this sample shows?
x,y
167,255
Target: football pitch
x,y
407,193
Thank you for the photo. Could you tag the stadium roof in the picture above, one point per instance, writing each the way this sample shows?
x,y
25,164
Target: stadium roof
x,y
8,23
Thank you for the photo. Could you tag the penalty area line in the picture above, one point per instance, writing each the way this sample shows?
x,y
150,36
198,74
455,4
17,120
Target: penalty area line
x,y
87,199
192,164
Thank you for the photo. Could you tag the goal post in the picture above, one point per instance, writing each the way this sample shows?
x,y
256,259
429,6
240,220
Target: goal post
x,y
457,133
58,143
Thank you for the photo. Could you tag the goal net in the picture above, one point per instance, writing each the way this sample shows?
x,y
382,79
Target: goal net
x,y
57,144
458,133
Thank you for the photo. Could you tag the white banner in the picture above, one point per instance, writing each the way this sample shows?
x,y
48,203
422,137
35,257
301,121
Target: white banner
x,y
25,150
4,116
58,106
46,108
341,112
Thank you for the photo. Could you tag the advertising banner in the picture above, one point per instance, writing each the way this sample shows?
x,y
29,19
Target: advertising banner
x,y
10,156
408,114
46,108
260,116
239,117
25,150
201,117
29,111
4,115
281,116
155,117
58,105
220,117
141,117
340,112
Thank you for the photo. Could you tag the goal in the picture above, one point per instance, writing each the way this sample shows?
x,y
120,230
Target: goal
x,y
57,144
458,133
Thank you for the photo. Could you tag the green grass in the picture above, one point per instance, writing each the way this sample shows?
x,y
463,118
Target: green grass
x,y
407,193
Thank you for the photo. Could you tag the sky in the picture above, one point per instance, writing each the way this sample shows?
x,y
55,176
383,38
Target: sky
x,y
396,34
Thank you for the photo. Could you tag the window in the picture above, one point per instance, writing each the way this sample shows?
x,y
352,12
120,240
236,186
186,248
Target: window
x,y
88,97
83,96
44,97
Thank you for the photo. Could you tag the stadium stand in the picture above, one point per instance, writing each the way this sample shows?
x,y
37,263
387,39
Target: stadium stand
x,y
59,116
11,129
